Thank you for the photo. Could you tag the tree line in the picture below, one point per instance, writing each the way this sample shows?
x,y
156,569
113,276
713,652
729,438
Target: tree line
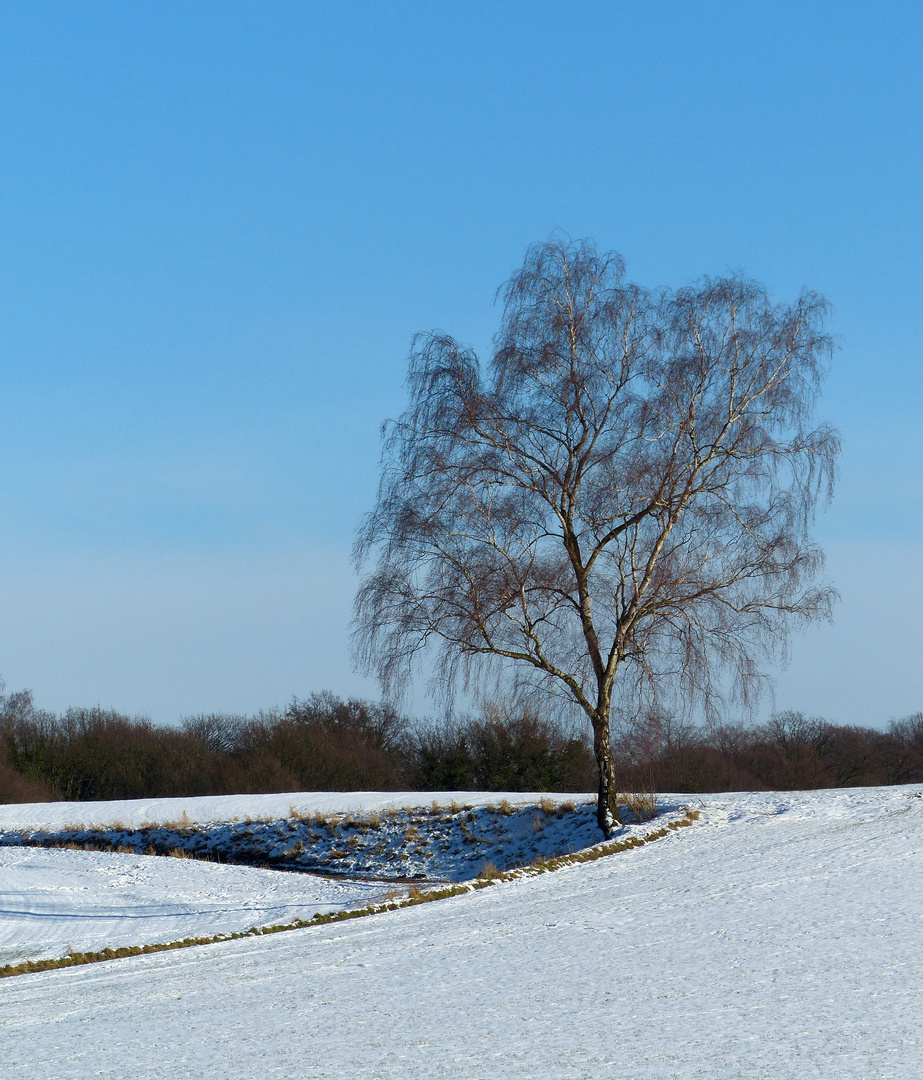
x,y
328,744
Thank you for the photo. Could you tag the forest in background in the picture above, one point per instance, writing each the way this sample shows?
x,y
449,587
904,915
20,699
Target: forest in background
x,y
324,743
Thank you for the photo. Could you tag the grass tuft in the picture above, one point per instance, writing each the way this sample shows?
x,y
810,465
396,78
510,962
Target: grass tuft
x,y
642,805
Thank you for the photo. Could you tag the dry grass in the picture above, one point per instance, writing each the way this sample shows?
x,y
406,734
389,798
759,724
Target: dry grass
x,y
185,822
489,872
643,805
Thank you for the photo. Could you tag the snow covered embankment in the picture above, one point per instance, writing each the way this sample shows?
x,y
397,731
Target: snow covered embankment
x,y
55,901
441,843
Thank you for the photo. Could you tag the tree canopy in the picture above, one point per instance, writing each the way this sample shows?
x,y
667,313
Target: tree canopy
x,y
617,505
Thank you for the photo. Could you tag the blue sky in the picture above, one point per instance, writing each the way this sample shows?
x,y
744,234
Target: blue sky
x,y
222,223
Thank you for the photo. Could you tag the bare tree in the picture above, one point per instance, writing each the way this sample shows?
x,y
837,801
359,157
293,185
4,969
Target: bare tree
x,y
618,507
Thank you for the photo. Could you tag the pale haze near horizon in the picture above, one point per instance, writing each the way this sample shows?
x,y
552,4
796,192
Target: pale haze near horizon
x,y
223,225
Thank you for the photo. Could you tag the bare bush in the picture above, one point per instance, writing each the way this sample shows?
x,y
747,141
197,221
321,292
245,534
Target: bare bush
x,y
501,748
332,745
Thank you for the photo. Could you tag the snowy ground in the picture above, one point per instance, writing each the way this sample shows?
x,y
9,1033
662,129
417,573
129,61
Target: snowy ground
x,y
226,808
440,842
781,937
55,901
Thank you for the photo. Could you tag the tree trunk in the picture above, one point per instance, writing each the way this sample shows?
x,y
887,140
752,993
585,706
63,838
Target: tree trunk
x,y
607,813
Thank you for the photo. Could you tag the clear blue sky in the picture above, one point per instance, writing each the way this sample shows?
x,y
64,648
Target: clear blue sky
x,y
223,222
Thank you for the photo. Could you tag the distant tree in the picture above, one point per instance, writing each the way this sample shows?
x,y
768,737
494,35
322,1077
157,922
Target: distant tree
x,y
504,746
618,507
905,750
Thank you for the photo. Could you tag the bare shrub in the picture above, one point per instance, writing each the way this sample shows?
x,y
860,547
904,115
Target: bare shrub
x,y
641,805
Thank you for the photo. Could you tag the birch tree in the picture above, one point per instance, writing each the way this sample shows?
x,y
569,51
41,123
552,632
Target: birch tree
x,y
617,506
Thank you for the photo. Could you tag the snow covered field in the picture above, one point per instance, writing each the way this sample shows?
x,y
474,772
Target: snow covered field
x,y
780,937
223,808
446,840
53,901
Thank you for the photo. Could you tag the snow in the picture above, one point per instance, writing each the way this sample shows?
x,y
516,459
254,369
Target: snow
x,y
430,843
226,808
778,937
55,901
